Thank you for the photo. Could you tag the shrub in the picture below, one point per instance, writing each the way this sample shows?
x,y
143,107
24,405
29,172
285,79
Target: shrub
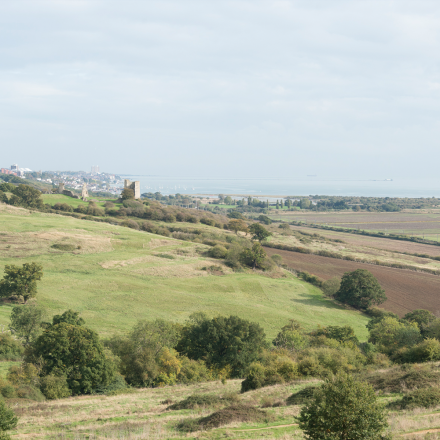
x,y
277,259
8,420
8,391
10,348
54,387
400,379
343,408
192,371
64,247
423,398
201,400
331,286
218,251
223,342
303,396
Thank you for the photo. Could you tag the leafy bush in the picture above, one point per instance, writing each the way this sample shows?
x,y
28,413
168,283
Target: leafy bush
x,y
343,408
8,420
202,400
192,371
278,371
223,342
54,387
10,349
217,251
400,379
423,398
303,396
8,391
331,286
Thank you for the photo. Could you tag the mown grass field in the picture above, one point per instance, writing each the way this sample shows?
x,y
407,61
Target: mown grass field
x,y
116,276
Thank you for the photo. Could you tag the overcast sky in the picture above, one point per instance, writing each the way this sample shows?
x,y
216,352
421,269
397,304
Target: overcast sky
x,y
221,88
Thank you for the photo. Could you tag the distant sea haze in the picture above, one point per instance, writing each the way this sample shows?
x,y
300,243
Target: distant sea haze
x,y
311,185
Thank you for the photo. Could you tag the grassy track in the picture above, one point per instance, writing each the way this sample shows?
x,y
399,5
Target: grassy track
x,y
120,275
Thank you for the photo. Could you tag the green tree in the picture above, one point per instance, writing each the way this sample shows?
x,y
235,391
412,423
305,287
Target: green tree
x,y
29,197
360,289
331,286
423,318
223,342
264,219
127,194
75,352
8,420
343,409
140,352
259,232
253,257
26,321
21,281
237,225
69,317
390,334
304,204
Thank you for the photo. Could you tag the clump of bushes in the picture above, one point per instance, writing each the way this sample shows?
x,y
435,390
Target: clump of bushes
x,y
235,413
423,398
203,400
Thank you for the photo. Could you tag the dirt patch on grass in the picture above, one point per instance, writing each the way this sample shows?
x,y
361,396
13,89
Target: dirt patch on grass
x,y
158,242
406,290
123,263
38,243
174,271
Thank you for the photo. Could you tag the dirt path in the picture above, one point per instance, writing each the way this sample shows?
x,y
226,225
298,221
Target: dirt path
x,y
269,427
426,431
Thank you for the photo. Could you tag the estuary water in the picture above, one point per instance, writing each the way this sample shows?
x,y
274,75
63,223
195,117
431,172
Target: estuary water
x,y
310,185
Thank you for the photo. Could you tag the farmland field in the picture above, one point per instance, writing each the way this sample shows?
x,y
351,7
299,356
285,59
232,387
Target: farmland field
x,y
406,290
115,276
415,223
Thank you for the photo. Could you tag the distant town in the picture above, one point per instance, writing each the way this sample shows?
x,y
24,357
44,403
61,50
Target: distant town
x,y
95,180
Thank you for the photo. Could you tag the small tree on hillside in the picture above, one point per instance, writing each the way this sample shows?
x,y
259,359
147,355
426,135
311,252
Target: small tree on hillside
x,y
259,232
21,281
253,257
238,225
360,289
343,409
26,321
223,342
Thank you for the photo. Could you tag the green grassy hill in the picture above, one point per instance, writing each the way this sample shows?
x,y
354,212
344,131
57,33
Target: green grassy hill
x,y
115,276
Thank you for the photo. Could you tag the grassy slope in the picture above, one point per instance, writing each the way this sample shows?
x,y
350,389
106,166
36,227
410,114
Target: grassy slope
x,y
138,284
60,198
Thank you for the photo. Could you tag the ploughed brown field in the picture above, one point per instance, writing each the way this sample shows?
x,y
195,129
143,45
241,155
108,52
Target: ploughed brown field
x,y
406,290
375,242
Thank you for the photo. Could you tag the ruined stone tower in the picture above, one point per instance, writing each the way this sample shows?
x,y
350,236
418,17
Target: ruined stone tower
x,y
135,186
84,192
60,188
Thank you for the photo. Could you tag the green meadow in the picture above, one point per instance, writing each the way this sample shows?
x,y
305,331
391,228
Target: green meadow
x,y
115,276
